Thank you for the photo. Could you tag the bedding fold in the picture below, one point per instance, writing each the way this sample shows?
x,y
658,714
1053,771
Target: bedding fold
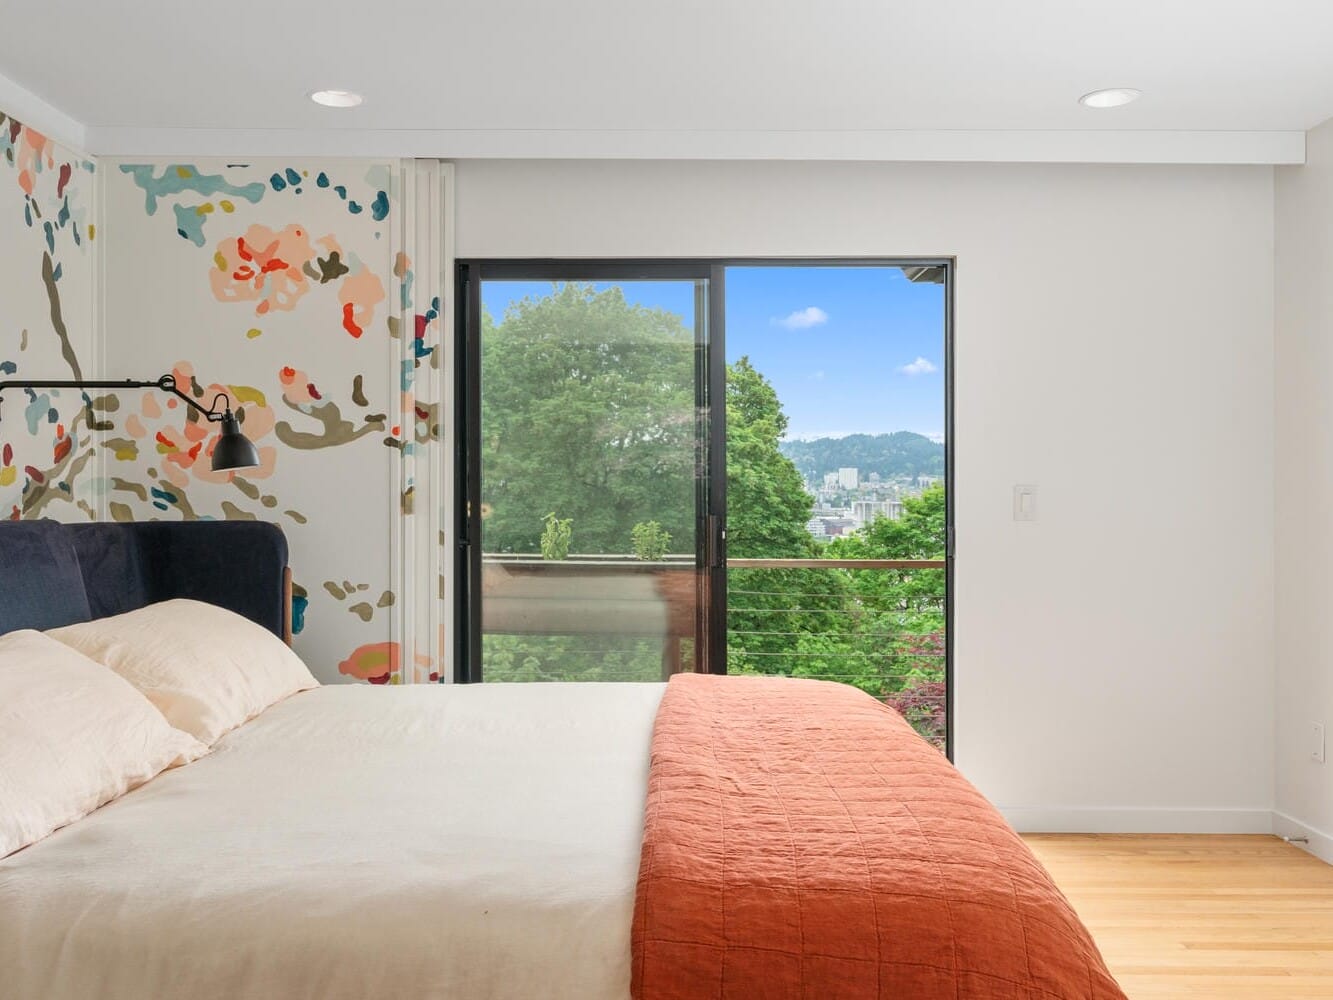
x,y
800,840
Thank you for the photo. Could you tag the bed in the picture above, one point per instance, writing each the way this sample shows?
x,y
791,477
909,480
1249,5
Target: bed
x,y
710,837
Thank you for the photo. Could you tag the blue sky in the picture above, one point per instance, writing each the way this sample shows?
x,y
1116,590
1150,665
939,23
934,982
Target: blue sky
x,y
848,349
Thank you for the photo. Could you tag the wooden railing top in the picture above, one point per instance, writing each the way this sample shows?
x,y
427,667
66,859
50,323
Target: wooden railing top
x,y
835,564
688,562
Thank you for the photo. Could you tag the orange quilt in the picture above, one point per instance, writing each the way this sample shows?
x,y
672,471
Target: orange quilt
x,y
801,841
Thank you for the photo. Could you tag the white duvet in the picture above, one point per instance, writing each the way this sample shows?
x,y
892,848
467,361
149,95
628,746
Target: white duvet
x,y
467,842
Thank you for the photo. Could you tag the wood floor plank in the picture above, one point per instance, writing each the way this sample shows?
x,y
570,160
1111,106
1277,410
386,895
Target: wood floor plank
x,y
1185,916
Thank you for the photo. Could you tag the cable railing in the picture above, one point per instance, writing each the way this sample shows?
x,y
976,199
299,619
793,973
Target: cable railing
x,y
836,564
877,624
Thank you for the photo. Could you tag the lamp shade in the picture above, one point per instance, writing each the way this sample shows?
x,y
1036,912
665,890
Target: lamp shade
x,y
234,450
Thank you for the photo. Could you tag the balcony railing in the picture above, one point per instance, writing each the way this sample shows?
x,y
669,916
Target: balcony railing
x,y
877,624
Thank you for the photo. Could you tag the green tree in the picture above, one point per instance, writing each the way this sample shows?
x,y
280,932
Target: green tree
x,y
769,610
917,534
587,408
902,611
767,505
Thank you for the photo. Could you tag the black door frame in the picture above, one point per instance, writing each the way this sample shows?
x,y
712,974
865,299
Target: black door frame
x,y
467,418
710,505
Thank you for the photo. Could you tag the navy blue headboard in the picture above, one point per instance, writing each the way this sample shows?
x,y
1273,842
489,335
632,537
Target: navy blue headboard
x,y
54,574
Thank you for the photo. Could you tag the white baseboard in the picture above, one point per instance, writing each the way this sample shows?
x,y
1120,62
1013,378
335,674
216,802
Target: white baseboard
x,y
1320,843
1026,819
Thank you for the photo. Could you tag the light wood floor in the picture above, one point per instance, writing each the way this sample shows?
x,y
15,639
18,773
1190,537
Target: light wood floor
x,y
1220,917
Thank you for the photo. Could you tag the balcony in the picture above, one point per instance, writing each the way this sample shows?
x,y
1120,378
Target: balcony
x,y
878,624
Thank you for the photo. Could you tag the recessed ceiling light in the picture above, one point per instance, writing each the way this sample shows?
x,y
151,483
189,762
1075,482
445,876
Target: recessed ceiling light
x,y
336,98
1113,98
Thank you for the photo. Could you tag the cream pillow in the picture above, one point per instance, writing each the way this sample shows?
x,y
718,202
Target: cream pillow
x,y
73,736
206,669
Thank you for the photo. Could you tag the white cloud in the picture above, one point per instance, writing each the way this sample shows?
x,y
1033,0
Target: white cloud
x,y
921,366
803,319
817,376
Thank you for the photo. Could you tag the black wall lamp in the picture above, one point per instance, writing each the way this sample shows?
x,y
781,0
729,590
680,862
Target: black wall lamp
x,y
233,450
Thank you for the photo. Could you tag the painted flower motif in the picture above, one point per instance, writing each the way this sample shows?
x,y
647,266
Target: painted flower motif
x,y
263,267
64,444
359,294
186,444
33,155
297,388
377,662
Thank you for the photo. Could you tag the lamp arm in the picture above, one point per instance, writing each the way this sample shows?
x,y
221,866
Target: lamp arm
x,y
167,383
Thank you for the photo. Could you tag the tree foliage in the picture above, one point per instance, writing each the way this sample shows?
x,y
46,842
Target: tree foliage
x,y
557,534
767,505
767,510
899,455
587,409
650,541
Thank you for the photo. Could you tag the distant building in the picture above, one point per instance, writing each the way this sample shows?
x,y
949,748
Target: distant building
x,y
865,511
830,480
848,479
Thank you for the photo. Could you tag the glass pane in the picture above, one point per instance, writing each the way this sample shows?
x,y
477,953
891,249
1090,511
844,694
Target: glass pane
x,y
835,451
590,437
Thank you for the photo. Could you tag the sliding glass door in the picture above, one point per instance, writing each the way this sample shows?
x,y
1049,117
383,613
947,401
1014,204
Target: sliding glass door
x,y
732,467
837,492
588,476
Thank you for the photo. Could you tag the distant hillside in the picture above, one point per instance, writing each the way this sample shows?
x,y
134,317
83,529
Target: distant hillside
x,y
893,456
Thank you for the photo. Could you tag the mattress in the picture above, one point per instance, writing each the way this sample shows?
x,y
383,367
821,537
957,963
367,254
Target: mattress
x,y
475,842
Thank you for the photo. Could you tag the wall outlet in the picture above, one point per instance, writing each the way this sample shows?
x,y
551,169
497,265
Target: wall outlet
x,y
1317,742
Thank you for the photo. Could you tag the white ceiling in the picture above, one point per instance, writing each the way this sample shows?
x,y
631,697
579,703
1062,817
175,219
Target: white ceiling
x,y
678,77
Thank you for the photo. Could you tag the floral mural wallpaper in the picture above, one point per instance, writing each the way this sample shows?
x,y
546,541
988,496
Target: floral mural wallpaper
x,y
47,271
311,293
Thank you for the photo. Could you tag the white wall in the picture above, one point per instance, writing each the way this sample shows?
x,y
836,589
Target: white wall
x,y
1304,380
1114,346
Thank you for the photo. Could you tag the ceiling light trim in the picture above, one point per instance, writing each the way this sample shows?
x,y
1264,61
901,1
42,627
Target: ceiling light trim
x,y
1110,97
339,99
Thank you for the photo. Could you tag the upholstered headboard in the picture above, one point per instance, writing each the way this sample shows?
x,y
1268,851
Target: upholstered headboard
x,y
54,574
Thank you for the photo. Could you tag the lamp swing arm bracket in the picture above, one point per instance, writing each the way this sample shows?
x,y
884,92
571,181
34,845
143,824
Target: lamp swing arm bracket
x,y
232,450
167,383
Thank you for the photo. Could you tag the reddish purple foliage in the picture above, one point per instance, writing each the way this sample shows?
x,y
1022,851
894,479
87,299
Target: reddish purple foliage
x,y
923,705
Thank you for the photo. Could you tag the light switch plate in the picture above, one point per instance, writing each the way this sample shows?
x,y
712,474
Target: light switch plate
x,y
1317,742
1025,503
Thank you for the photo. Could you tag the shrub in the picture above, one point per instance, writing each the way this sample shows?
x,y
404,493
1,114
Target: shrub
x,y
556,536
650,540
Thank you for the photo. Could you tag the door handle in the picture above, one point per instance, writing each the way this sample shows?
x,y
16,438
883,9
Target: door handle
x,y
717,542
